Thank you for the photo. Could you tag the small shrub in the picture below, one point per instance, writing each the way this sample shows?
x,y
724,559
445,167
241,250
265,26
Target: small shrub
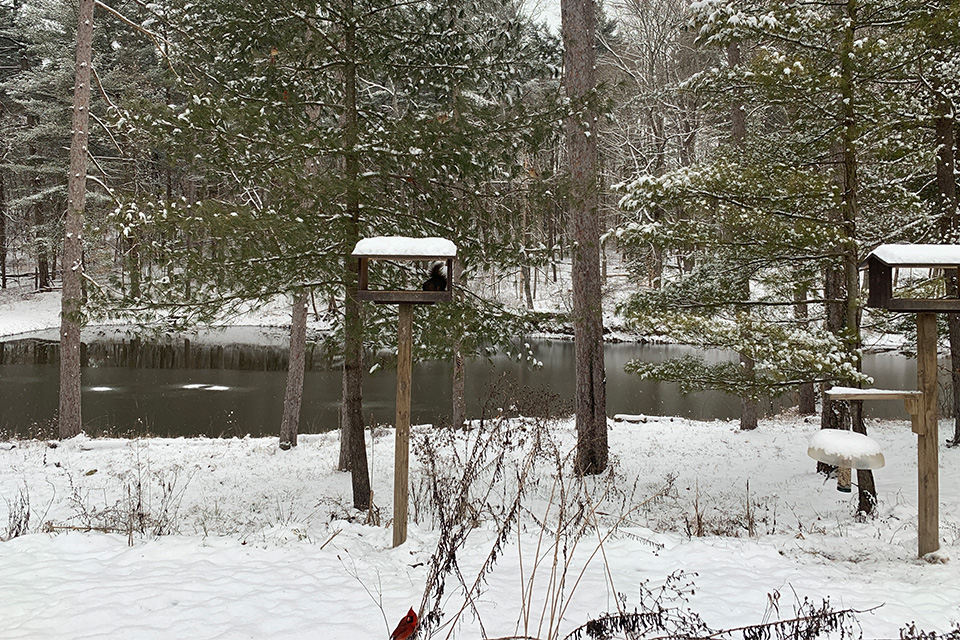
x,y
18,515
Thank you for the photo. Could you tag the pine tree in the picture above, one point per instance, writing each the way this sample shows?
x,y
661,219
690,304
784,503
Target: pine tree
x,y
314,126
816,187
933,37
71,315
579,38
36,96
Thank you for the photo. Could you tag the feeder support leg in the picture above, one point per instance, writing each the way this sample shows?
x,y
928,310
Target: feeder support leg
x,y
401,482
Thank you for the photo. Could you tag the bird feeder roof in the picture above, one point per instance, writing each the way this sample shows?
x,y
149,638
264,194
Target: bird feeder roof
x,y
916,255
404,248
845,449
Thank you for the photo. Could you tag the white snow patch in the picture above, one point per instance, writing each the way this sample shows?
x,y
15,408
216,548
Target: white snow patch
x,y
23,312
845,449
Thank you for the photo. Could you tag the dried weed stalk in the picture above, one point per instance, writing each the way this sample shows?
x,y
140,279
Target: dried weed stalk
x,y
663,614
18,515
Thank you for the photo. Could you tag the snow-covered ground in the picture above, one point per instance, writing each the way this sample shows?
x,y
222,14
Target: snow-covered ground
x,y
22,311
199,538
38,313
259,543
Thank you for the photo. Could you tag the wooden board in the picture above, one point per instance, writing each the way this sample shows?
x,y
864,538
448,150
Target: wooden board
x,y
906,305
399,297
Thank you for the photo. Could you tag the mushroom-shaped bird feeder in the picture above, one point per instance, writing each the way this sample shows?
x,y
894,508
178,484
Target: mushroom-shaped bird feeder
x,y
845,450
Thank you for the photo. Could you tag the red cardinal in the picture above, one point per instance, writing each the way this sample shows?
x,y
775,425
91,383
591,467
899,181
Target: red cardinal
x,y
406,628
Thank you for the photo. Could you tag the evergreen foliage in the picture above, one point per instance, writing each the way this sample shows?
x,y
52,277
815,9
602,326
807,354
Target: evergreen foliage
x,y
771,215
450,98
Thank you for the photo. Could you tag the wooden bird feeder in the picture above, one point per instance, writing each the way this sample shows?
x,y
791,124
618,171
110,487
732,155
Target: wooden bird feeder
x,y
882,262
921,404
407,249
400,248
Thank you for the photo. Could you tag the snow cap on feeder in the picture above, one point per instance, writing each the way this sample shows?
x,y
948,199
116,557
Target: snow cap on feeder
x,y
845,450
402,247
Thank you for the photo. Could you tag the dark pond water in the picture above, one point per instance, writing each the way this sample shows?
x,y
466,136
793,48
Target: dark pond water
x,y
225,388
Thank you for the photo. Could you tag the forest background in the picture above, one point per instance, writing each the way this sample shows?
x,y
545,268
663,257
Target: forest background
x,y
750,155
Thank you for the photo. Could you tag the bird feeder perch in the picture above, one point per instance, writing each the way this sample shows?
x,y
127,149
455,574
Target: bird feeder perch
x,y
404,249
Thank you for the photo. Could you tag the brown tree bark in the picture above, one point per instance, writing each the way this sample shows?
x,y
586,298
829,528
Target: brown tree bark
x,y
738,118
3,235
949,234
41,240
749,405
806,394
353,451
293,396
866,488
579,60
42,243
833,412
71,316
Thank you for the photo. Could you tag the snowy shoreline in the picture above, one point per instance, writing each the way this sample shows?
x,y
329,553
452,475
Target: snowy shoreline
x,y
30,313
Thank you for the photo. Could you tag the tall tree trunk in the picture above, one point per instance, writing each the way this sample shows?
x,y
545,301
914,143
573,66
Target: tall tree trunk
x,y
41,242
579,61
738,118
527,244
659,144
806,394
949,233
133,263
866,488
833,412
353,451
72,299
3,235
953,333
526,277
293,397
42,235
749,405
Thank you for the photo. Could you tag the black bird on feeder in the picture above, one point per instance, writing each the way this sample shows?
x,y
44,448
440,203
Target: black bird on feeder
x,y
438,278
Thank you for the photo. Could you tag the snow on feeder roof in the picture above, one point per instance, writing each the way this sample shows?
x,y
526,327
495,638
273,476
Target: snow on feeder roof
x,y
846,449
404,248
917,255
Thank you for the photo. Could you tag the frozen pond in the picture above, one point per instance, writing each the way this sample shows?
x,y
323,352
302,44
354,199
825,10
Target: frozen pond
x,y
171,389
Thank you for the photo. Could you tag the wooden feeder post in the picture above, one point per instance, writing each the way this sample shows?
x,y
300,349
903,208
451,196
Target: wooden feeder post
x,y
401,479
881,264
402,248
928,464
